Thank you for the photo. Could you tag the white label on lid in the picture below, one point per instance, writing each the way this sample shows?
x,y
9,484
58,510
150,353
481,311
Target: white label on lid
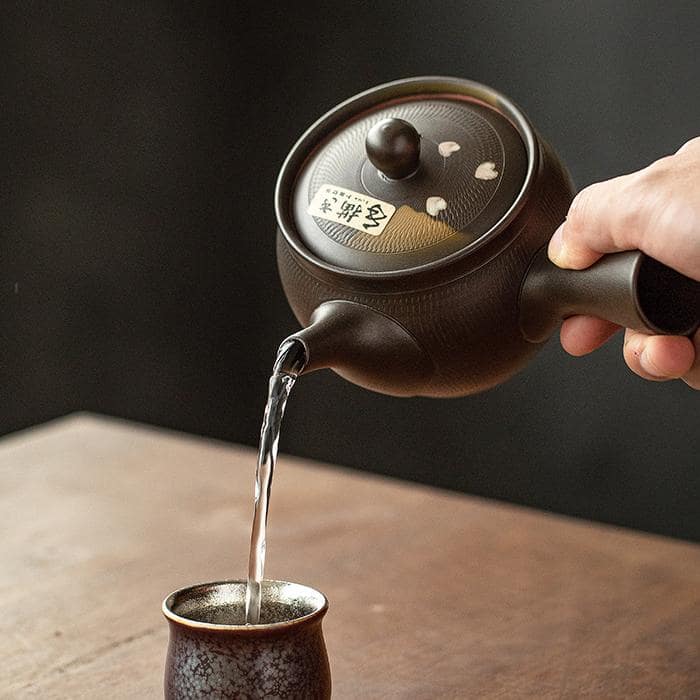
x,y
358,211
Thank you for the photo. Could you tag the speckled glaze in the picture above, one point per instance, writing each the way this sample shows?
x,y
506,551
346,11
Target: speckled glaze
x,y
285,657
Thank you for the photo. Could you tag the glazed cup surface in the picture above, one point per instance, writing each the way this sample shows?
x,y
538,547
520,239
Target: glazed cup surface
x,y
213,653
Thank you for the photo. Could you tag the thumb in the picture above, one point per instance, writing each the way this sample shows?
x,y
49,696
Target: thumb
x,y
600,220
655,210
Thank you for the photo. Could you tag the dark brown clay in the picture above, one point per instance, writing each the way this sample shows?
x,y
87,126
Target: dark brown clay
x,y
213,654
444,301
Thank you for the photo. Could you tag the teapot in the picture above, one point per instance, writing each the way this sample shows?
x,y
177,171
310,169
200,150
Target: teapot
x,y
413,221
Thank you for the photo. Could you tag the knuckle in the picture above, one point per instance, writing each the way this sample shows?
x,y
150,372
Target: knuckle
x,y
664,212
692,146
656,172
580,207
635,205
632,194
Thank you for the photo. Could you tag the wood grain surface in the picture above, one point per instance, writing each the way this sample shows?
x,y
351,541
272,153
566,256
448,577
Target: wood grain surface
x,y
432,594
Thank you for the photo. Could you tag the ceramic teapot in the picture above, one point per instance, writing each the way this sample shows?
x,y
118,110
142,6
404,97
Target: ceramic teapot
x,y
413,220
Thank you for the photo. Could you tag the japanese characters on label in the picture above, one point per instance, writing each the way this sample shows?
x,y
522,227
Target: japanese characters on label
x,y
358,211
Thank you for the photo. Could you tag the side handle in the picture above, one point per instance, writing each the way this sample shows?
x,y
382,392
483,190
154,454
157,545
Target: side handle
x,y
630,289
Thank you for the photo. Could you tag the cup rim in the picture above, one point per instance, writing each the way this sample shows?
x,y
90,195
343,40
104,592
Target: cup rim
x,y
172,616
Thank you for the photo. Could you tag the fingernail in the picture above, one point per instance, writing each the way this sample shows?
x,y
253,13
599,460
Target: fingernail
x,y
645,362
555,250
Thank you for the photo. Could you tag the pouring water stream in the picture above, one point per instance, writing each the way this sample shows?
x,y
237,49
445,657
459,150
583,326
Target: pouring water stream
x,y
290,361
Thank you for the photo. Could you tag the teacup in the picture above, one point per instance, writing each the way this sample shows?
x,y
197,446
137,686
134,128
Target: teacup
x,y
213,654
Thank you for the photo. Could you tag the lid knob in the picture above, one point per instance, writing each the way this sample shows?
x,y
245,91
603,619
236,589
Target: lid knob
x,y
393,147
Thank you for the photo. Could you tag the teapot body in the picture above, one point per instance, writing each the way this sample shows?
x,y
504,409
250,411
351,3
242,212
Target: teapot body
x,y
463,315
413,220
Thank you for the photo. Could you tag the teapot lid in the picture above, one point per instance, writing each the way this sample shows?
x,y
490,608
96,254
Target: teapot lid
x,y
405,175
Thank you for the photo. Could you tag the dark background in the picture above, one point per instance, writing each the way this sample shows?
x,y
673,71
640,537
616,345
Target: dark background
x,y
140,145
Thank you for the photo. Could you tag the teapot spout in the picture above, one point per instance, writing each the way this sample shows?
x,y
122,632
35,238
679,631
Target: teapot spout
x,y
292,357
363,346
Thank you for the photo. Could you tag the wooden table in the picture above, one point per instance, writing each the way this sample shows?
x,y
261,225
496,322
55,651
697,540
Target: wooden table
x,y
433,594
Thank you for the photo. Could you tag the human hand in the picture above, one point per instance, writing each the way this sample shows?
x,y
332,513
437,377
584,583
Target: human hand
x,y
657,211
